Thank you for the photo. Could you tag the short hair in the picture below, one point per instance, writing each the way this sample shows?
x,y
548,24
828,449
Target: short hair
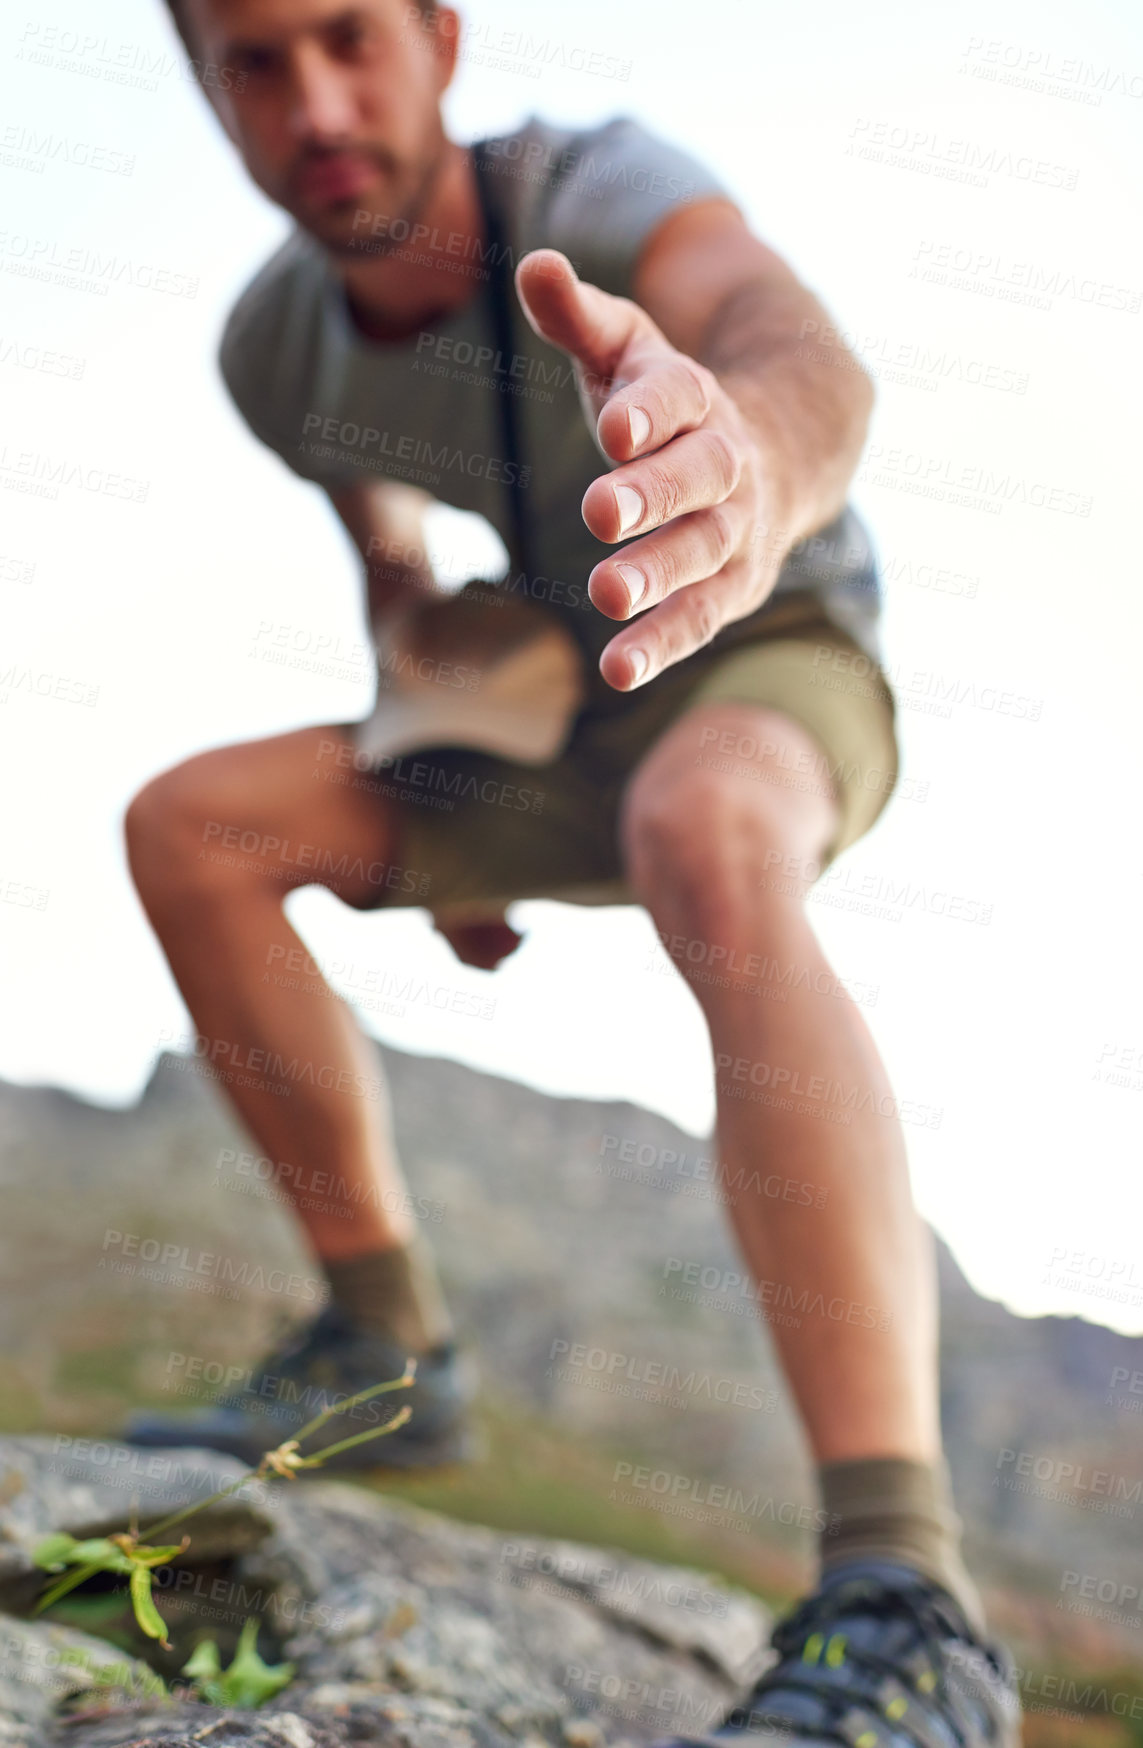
x,y
178,12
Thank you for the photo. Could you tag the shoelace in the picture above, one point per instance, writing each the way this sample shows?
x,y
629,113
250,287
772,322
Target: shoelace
x,y
806,1635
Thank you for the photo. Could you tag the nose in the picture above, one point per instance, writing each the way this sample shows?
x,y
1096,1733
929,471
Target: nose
x,y
322,102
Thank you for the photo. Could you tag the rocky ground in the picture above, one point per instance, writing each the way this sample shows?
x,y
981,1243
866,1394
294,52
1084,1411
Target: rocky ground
x,y
404,1627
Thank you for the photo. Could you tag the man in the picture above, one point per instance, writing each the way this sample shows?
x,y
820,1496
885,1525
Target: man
x,y
730,738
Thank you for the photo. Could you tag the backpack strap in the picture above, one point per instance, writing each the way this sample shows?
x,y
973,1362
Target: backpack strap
x,y
502,300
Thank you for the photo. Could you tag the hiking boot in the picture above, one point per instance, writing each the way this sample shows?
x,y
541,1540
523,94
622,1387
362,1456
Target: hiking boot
x,y
324,1364
879,1657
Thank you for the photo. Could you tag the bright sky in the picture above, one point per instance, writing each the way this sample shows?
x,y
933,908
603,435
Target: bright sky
x,y
961,184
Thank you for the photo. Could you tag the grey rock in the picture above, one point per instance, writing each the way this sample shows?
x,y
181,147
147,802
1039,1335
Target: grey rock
x,y
90,1487
404,1627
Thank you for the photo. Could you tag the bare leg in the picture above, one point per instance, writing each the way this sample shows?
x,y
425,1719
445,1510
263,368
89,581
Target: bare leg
x,y
865,1378
315,1101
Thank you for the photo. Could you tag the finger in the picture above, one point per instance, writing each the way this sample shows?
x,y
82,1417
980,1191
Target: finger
x,y
589,323
681,624
689,473
688,549
671,395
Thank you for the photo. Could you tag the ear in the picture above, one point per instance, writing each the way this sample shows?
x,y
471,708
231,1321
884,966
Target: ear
x,y
445,26
215,90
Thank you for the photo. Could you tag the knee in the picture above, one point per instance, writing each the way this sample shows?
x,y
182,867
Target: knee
x,y
167,828
698,846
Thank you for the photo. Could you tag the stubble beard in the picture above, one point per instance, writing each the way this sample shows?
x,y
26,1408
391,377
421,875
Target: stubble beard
x,y
348,236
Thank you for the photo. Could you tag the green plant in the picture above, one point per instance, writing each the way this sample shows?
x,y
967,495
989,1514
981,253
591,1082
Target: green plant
x,y
128,1555
133,1680
248,1681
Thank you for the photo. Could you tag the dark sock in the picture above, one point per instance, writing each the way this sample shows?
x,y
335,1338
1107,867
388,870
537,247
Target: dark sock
x,y
395,1294
889,1508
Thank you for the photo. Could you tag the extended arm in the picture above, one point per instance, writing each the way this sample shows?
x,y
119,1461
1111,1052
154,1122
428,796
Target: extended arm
x,y
735,418
727,300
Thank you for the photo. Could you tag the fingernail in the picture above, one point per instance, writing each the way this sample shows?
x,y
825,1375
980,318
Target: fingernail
x,y
636,583
638,426
639,664
630,506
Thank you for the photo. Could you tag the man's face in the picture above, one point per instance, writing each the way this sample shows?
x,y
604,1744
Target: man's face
x,y
334,107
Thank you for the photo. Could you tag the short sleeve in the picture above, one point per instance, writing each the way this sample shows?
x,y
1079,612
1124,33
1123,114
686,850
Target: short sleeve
x,y
614,186
267,356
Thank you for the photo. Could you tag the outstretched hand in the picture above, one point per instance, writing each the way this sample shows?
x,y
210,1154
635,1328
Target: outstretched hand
x,y
691,485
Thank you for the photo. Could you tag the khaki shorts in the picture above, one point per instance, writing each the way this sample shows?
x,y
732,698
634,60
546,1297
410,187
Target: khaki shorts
x,y
481,830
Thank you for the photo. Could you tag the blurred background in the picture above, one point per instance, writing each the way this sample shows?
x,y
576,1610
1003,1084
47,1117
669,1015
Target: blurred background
x,y
959,185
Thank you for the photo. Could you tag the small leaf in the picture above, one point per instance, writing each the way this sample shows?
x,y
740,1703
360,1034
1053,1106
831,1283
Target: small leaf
x,y
249,1681
78,1575
156,1556
101,1553
54,1550
204,1662
147,1615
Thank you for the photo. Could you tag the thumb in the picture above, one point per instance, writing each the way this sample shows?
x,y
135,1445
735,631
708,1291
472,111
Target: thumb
x,y
589,324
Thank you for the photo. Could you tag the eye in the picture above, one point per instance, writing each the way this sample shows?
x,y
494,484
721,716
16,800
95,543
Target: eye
x,y
253,60
351,37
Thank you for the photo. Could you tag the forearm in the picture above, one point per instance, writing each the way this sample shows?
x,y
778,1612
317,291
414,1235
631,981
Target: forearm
x,y
392,582
805,399
386,522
